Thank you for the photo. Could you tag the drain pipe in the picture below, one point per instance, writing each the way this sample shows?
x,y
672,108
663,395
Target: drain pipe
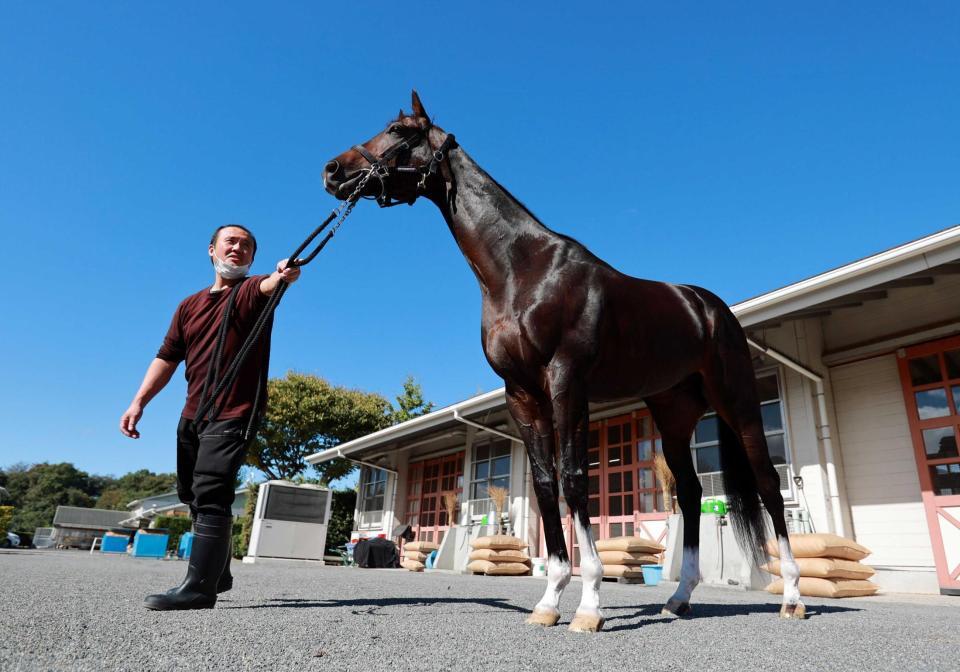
x,y
823,429
514,439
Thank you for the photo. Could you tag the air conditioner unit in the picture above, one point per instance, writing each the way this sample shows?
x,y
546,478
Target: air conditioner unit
x,y
290,522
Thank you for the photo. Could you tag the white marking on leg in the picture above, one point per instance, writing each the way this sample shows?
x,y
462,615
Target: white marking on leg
x,y
558,576
689,575
591,572
790,573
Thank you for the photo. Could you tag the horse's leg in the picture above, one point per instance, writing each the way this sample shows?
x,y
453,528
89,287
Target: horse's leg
x,y
533,417
735,398
572,417
676,413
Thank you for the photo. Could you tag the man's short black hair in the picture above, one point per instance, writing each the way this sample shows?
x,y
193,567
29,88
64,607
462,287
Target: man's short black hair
x,y
253,238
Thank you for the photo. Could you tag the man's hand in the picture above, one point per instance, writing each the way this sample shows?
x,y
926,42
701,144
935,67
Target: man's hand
x,y
288,275
128,423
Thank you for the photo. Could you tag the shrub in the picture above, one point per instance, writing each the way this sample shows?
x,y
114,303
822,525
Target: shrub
x,y
241,537
176,526
6,515
341,519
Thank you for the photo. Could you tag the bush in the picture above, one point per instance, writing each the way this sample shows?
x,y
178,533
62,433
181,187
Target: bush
x,y
241,536
341,519
6,515
176,526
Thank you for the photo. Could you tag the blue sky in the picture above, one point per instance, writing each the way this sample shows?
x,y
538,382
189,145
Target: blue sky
x,y
739,147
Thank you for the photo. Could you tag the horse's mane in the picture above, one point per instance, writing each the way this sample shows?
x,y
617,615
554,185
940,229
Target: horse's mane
x,y
523,206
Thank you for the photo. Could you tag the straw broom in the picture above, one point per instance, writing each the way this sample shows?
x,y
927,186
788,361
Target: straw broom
x,y
666,480
499,497
450,504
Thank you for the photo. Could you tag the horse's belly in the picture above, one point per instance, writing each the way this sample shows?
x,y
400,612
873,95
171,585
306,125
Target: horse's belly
x,y
623,373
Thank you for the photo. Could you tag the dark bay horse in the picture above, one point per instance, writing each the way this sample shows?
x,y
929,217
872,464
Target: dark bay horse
x,y
564,328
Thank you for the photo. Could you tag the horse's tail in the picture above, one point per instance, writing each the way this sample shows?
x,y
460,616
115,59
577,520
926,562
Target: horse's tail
x,y
743,499
739,475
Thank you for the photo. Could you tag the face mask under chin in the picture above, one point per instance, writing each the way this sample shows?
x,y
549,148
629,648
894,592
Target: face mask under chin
x,y
229,271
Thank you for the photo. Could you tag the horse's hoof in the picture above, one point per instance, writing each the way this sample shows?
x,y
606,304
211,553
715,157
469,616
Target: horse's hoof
x,y
793,611
544,617
676,609
586,623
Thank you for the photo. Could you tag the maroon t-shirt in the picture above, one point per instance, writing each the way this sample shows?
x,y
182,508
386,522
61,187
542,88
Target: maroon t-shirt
x,y
193,336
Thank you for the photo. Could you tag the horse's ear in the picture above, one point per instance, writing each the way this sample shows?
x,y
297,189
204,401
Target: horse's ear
x,y
418,110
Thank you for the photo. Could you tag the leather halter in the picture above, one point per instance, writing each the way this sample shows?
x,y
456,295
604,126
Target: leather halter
x,y
383,172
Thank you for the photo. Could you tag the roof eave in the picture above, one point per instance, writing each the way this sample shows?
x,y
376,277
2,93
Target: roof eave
x,y
478,404
913,257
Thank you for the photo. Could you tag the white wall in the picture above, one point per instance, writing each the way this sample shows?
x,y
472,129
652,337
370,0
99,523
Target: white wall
x,y
882,485
801,340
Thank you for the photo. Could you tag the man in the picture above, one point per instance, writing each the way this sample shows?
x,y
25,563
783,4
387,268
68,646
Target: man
x,y
211,450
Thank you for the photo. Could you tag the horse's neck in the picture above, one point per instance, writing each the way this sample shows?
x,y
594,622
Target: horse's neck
x,y
493,230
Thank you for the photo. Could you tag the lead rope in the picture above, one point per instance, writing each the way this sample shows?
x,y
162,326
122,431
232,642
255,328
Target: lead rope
x,y
340,213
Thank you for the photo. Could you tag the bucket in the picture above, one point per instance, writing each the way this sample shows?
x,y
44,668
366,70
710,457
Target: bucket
x,y
539,566
652,574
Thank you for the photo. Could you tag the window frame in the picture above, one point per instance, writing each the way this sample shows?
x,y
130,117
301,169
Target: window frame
x,y
775,372
363,499
489,479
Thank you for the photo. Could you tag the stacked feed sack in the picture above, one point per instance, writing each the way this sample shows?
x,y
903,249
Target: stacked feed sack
x,y
499,555
623,557
829,566
415,554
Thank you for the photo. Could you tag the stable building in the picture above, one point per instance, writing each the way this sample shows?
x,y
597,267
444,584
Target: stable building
x,y
77,526
142,511
859,374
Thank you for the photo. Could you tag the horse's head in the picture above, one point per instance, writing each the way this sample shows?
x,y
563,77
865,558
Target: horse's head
x,y
400,164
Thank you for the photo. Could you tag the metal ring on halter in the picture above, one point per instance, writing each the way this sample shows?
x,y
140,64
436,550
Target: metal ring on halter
x,y
373,172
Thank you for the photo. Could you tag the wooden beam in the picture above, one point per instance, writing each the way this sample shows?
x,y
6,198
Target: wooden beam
x,y
913,281
944,269
806,314
867,295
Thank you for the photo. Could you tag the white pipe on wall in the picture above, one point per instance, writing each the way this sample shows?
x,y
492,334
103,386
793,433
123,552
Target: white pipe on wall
x,y
823,429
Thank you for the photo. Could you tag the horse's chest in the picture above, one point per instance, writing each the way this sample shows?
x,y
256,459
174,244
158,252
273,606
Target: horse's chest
x,y
516,341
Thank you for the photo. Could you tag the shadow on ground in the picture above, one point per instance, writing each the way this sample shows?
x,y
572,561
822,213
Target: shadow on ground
x,y
704,610
369,606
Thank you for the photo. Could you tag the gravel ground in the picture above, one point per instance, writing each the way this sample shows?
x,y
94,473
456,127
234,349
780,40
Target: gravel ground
x,y
63,610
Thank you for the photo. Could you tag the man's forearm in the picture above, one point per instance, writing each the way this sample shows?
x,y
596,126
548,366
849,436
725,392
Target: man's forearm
x,y
158,375
268,284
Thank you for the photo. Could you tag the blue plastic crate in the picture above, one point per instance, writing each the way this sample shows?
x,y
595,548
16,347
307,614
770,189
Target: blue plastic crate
x,y
114,544
185,546
146,545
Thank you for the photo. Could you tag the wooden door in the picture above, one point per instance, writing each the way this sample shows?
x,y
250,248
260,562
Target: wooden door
x,y
624,495
930,375
427,483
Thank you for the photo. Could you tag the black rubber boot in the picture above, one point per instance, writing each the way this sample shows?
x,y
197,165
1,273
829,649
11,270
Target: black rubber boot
x,y
211,544
226,578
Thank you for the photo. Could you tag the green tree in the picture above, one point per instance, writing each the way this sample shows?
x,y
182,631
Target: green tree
x,y
37,490
410,404
136,485
306,414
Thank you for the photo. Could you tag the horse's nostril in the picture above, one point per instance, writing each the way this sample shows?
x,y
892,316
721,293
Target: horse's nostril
x,y
331,168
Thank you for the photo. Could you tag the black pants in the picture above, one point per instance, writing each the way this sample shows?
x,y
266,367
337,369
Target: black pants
x,y
208,464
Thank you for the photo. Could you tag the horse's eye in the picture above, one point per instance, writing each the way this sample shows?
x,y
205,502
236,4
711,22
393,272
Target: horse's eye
x,y
395,129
